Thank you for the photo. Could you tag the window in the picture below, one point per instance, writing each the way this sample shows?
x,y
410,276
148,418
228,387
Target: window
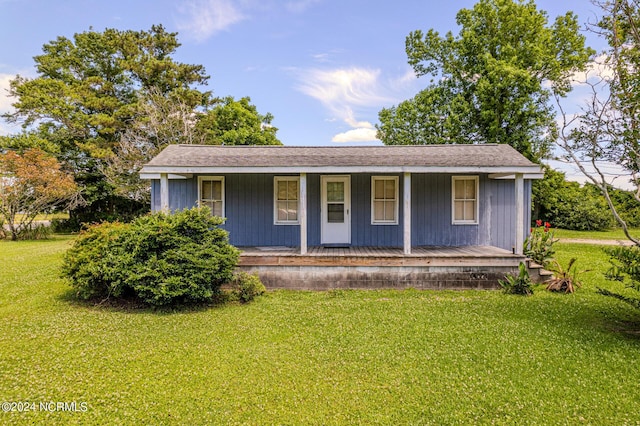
x,y
211,193
384,200
465,199
286,198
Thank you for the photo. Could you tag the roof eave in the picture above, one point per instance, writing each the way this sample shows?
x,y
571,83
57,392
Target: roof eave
x,y
502,172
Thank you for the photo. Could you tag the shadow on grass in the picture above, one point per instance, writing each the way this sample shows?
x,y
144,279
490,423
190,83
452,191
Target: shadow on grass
x,y
582,314
133,305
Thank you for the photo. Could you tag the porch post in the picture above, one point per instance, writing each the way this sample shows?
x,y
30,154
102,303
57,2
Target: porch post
x,y
164,192
303,213
519,213
407,213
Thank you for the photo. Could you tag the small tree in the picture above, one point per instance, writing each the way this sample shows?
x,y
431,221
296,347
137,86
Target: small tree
x,y
30,184
607,130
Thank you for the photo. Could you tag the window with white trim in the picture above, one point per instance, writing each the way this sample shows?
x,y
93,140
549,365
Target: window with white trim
x,y
211,194
464,193
286,200
384,200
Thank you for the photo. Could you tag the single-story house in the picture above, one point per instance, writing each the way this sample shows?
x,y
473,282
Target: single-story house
x,y
301,215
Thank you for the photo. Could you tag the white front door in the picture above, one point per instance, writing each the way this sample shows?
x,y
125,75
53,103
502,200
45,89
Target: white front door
x,y
336,208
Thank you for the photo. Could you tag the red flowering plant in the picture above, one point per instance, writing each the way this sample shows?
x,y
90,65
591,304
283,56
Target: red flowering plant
x,y
539,245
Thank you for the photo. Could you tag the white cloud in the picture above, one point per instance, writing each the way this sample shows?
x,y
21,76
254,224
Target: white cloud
x,y
614,174
597,69
407,79
5,100
356,135
5,104
353,86
342,91
204,18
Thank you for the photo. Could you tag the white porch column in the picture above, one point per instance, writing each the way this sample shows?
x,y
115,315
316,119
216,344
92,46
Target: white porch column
x,y
164,192
303,213
407,213
519,213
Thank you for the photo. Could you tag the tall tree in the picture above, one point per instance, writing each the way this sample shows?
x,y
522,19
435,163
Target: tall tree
x,y
493,82
88,92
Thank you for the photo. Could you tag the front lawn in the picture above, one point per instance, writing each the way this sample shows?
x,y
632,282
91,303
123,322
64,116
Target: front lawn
x,y
611,234
340,357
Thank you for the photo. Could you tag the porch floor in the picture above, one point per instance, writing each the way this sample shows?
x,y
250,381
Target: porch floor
x,y
324,268
379,256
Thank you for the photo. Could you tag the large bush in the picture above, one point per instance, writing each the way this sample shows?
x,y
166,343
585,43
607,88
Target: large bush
x,y
162,259
568,205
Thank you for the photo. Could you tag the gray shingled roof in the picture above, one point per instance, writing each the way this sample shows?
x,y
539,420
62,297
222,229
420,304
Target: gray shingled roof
x,y
175,157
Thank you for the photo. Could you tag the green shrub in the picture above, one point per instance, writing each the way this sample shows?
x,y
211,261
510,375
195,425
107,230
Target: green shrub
x,y
568,205
162,259
246,287
96,261
625,267
518,284
627,206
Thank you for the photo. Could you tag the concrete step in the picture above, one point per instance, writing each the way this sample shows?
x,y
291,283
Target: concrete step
x,y
537,273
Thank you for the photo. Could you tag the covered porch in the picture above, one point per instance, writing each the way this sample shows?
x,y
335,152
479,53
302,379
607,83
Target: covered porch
x,y
432,267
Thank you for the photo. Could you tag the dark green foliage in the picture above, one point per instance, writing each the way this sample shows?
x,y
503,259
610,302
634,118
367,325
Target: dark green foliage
x,y
162,259
539,245
567,205
95,262
237,123
246,287
625,267
627,206
64,226
625,264
518,284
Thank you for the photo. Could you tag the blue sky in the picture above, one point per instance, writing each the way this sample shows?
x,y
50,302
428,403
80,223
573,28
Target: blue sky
x,y
323,68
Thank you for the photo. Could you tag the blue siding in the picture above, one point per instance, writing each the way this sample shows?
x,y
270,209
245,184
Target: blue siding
x,y
249,211
183,193
250,222
313,210
363,233
155,195
500,213
431,217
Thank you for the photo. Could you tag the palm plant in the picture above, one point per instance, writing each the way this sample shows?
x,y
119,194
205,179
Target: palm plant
x,y
564,280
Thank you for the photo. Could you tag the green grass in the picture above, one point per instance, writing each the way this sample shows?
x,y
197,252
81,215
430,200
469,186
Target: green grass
x,y
340,357
611,234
